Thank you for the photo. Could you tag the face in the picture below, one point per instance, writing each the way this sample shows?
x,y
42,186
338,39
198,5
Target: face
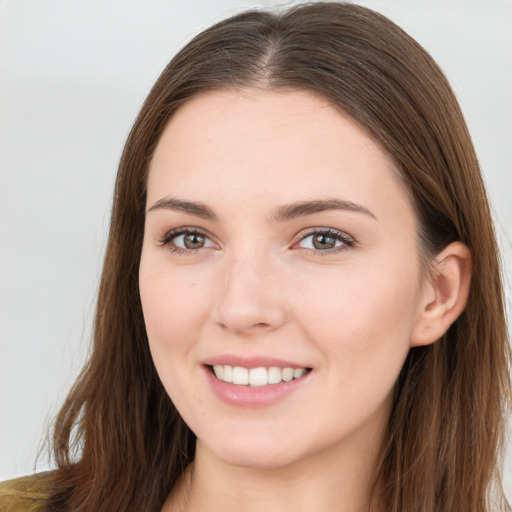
x,y
280,278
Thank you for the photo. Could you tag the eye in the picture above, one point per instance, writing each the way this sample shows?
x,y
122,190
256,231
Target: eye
x,y
325,240
186,239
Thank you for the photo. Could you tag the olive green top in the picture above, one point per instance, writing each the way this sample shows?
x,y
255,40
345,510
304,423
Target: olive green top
x,y
25,494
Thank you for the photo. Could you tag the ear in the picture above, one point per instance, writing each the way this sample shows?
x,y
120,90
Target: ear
x,y
445,294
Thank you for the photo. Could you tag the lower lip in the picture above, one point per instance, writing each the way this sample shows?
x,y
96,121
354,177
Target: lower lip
x,y
253,397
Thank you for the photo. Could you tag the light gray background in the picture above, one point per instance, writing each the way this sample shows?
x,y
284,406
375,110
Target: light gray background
x,y
73,74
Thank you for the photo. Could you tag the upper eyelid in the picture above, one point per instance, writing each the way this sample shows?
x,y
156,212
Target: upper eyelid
x,y
316,230
186,229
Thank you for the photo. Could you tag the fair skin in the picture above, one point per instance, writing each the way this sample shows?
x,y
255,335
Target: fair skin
x,y
234,272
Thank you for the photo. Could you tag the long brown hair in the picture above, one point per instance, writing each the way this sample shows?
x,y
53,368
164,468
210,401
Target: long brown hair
x,y
119,442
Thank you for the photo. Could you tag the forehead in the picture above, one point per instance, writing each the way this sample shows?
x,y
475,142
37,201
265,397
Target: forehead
x,y
283,117
284,145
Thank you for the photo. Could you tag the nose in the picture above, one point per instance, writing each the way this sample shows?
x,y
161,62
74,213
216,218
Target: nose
x,y
250,299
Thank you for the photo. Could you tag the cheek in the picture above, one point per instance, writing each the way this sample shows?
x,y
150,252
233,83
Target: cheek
x,y
174,306
362,320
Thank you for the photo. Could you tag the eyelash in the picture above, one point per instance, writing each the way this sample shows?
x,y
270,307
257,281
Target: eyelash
x,y
347,241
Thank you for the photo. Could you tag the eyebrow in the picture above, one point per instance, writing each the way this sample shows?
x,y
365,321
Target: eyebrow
x,y
302,208
281,213
189,207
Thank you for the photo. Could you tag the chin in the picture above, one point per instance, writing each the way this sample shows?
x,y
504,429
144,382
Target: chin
x,y
251,454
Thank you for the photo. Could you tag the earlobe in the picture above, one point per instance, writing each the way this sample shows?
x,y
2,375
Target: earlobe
x,y
445,294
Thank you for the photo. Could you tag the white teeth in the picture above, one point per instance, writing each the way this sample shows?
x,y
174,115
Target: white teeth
x,y
227,374
287,374
298,372
256,376
240,376
218,369
274,375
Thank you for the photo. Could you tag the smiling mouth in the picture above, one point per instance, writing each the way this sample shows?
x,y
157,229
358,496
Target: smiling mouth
x,y
256,377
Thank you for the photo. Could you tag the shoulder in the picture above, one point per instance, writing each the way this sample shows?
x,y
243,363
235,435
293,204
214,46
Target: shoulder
x,y
25,494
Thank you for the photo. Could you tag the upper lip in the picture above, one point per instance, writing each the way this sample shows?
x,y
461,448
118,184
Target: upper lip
x,y
251,362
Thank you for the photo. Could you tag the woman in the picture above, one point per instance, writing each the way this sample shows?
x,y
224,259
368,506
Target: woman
x,y
301,304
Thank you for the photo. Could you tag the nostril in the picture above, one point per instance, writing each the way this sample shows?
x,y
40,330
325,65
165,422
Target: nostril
x,y
256,326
